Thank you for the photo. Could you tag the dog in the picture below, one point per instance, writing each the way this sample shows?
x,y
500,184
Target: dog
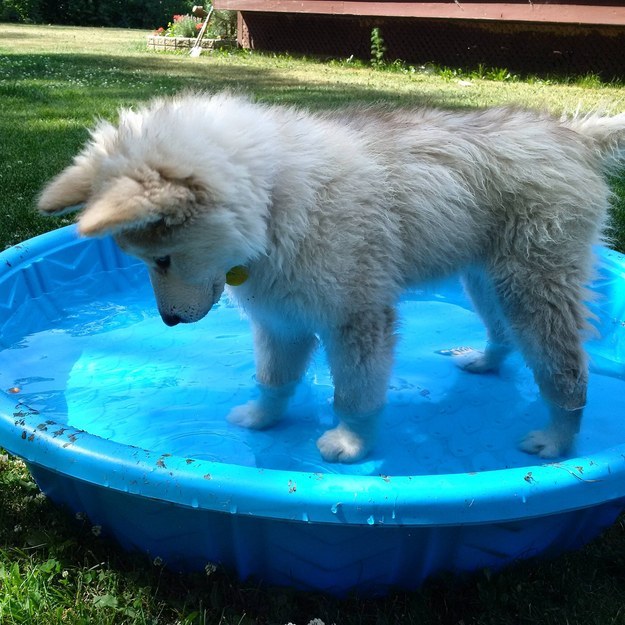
x,y
320,220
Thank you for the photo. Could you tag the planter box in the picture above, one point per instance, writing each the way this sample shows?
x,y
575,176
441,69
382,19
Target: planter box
x,y
160,43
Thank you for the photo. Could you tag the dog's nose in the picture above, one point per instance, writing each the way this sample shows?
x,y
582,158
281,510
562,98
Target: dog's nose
x,y
171,320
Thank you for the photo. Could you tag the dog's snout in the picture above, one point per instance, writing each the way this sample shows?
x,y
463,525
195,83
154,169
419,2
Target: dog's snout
x,y
171,320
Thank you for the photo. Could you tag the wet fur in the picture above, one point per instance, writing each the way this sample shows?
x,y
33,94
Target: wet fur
x,y
334,214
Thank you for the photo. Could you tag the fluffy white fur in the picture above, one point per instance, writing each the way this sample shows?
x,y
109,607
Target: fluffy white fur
x,y
335,213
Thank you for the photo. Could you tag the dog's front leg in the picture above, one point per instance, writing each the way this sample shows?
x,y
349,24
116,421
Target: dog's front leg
x,y
281,361
360,353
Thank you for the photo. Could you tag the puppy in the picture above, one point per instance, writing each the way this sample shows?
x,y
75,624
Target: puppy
x,y
321,220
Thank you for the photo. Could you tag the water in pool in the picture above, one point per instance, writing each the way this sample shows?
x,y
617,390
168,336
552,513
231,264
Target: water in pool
x,y
104,362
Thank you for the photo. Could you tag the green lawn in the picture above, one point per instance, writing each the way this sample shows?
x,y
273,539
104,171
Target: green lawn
x,y
54,82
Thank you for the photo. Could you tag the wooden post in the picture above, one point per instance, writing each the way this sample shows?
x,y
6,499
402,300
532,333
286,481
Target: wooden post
x,y
243,33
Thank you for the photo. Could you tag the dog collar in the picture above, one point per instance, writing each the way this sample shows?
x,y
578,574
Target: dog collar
x,y
237,275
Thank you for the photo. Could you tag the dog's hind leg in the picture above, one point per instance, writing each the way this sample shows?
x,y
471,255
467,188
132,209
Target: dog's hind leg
x,y
498,345
546,313
281,361
360,353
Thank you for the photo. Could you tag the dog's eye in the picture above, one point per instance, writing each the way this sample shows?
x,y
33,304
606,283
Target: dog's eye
x,y
162,262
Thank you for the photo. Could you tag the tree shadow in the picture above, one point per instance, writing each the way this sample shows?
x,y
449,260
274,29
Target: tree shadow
x,y
118,81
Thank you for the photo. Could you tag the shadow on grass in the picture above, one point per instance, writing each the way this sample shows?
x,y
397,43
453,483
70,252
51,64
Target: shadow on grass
x,y
117,80
49,101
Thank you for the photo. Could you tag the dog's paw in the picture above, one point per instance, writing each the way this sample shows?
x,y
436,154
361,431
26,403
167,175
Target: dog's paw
x,y
545,443
342,445
476,361
252,416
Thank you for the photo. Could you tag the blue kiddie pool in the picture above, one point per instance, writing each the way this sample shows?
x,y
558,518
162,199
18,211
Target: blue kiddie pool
x,y
124,420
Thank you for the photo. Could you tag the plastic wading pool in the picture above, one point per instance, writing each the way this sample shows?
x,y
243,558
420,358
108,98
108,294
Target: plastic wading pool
x,y
123,419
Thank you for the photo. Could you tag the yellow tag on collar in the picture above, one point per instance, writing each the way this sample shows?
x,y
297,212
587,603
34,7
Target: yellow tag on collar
x,y
237,275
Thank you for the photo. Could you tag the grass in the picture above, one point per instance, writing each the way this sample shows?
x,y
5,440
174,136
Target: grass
x,y
54,82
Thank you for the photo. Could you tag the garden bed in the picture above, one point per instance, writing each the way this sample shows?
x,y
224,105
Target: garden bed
x,y
161,43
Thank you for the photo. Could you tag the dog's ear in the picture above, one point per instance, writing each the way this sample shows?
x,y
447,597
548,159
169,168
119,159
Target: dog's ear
x,y
68,191
123,205
127,203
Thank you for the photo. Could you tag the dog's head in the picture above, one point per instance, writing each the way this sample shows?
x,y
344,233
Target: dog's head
x,y
188,220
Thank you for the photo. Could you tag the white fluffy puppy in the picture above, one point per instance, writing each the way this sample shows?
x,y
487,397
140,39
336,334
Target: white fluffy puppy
x,y
329,216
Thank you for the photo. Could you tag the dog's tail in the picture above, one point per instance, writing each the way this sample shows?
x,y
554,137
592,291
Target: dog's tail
x,y
607,134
